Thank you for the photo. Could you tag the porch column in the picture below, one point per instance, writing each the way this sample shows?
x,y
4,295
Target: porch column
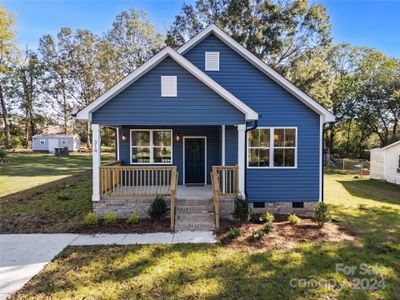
x,y
241,152
223,145
96,159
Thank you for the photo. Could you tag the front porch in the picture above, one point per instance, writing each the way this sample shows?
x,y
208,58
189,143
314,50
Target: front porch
x,y
124,189
190,165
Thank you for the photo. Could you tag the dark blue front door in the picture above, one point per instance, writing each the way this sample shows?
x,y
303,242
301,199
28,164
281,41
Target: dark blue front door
x,y
194,160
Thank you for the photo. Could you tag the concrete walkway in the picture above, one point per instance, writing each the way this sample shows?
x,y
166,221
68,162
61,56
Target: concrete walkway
x,y
23,255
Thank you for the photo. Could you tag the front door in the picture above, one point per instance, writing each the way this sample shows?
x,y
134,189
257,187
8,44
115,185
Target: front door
x,y
194,161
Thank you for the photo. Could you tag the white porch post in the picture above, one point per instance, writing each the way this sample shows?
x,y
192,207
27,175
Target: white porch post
x,y
223,145
96,158
223,156
241,152
117,143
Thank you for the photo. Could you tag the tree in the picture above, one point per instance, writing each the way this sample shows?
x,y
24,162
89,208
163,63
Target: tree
x,y
85,70
278,32
378,100
7,52
57,55
27,76
131,41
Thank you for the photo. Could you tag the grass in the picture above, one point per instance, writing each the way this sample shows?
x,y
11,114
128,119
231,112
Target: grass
x,y
27,170
44,193
368,209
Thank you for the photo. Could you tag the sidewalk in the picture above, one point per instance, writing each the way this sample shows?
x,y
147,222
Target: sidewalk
x,y
22,256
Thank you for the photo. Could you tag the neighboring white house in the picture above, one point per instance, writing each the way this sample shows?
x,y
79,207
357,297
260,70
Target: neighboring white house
x,y
385,163
41,142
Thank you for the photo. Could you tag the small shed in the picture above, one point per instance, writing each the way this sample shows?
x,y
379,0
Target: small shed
x,y
385,163
48,143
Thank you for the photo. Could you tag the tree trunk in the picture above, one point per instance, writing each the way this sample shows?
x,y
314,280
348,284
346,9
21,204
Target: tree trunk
x,y
89,136
5,118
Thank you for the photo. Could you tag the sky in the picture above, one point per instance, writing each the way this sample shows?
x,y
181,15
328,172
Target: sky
x,y
371,23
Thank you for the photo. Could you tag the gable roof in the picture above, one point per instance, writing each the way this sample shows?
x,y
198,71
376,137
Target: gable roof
x,y
85,113
259,64
391,145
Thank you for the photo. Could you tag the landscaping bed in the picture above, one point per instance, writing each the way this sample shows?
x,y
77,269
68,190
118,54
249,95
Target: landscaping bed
x,y
284,236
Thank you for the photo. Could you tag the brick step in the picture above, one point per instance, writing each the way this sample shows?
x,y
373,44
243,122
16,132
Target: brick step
x,y
194,209
197,202
194,226
195,217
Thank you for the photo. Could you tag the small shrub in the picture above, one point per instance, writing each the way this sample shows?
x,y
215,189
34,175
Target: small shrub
x,y
268,217
241,211
110,218
293,219
268,227
133,218
256,235
233,233
158,208
322,214
91,219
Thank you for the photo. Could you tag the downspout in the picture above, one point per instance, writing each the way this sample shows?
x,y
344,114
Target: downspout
x,y
330,125
252,127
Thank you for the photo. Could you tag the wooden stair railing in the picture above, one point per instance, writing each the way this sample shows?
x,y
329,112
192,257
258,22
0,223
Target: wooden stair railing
x,y
174,183
225,183
215,195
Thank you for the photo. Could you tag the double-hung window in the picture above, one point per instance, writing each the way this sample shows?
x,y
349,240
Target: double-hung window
x,y
272,148
151,146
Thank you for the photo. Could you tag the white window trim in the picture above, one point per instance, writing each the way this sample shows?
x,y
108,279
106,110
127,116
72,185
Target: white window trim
x,y
151,146
205,61
176,86
272,147
42,141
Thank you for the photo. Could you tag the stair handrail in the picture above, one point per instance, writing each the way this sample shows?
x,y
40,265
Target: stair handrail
x,y
215,194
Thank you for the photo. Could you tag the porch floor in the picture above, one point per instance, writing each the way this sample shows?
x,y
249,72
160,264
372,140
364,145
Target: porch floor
x,y
194,192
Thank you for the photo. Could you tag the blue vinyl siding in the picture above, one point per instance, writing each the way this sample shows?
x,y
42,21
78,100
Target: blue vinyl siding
x,y
141,103
213,134
276,107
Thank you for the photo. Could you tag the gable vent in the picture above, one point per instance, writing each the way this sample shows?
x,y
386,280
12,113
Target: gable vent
x,y
168,86
212,61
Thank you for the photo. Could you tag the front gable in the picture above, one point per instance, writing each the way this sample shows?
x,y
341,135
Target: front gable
x,y
249,84
141,102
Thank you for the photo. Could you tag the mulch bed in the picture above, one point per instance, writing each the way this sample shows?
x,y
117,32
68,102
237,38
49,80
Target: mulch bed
x,y
284,236
143,226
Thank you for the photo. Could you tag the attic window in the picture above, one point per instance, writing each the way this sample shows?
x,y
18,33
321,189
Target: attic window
x,y
168,86
212,61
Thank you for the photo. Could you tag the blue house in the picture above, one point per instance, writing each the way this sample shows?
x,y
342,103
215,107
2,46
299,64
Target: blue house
x,y
204,123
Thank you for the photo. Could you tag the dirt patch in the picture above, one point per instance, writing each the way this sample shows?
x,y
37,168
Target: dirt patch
x,y
284,236
143,226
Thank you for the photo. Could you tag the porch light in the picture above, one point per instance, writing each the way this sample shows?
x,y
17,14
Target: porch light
x,y
177,137
124,137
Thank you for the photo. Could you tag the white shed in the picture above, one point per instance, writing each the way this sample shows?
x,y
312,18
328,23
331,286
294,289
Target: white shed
x,y
47,143
385,163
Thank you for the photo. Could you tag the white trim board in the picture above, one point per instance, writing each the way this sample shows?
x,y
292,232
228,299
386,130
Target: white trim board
x,y
272,148
246,54
151,146
205,155
86,113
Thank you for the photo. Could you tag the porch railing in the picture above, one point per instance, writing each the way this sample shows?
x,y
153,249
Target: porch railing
x,y
139,181
225,183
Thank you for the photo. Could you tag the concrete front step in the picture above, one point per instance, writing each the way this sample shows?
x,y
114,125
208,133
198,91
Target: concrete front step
x,y
198,217
189,209
194,226
197,202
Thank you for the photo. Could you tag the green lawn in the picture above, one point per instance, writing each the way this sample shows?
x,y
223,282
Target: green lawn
x,y
27,170
44,193
370,210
